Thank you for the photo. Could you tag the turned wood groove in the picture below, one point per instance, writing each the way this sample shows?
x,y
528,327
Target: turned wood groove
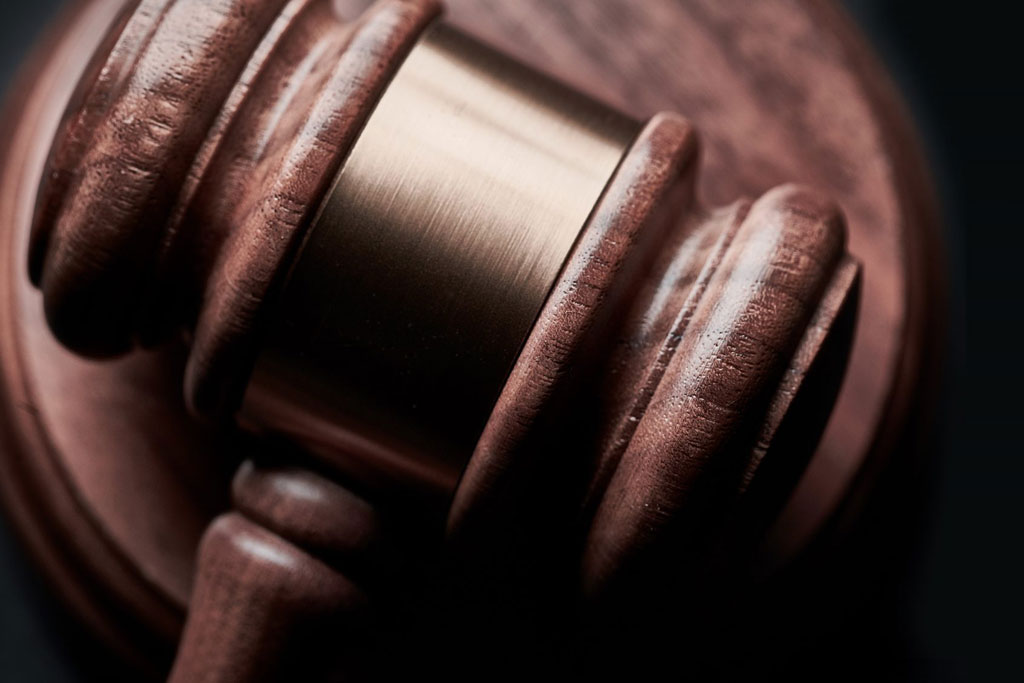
x,y
154,130
645,447
740,338
264,631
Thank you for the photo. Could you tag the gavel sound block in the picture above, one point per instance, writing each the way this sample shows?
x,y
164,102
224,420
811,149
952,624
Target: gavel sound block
x,y
515,369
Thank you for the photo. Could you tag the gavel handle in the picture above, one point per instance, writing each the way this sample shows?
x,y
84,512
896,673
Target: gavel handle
x,y
265,606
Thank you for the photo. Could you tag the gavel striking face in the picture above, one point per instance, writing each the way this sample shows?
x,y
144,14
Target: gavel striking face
x,y
460,288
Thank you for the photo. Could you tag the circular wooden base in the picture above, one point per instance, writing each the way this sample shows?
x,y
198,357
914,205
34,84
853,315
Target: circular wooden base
x,y
111,483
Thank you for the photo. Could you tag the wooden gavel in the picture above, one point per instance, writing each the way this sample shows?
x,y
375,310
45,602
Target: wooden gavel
x,y
524,373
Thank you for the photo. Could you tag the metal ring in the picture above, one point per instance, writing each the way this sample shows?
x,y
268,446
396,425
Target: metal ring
x,y
430,260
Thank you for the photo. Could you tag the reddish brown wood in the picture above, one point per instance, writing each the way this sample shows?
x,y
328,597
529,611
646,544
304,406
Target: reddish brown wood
x,y
780,94
639,209
690,444
66,482
272,598
226,161
313,512
160,142
254,589
273,218
133,161
260,609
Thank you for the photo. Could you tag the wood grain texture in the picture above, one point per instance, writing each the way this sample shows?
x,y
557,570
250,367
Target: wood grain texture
x,y
260,609
642,203
691,443
315,513
125,570
779,93
289,83
299,174
134,160
255,589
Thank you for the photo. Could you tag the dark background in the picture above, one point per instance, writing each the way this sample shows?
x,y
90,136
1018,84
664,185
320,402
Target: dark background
x,y
960,614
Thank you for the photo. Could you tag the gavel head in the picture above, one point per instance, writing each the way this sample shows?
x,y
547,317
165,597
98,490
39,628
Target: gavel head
x,y
598,370
437,269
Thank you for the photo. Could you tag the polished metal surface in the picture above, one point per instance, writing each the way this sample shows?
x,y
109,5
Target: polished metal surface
x,y
431,259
